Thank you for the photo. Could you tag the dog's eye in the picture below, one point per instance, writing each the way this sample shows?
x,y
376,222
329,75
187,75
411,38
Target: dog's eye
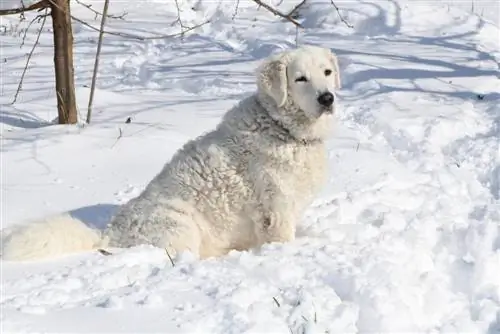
x,y
301,79
328,72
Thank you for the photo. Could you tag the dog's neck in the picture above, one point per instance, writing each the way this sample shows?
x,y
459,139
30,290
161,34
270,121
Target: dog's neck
x,y
281,130
285,133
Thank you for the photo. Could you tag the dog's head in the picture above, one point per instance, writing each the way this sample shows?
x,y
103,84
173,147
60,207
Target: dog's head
x,y
302,84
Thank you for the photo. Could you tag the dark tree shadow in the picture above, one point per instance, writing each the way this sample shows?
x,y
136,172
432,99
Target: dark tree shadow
x,y
466,62
96,216
21,119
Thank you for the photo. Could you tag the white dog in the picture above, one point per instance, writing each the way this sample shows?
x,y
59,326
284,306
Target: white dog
x,y
244,184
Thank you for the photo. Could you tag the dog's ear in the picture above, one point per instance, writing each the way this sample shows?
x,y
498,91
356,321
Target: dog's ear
x,y
272,79
335,63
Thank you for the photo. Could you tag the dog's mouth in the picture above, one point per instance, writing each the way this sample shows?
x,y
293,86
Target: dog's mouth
x,y
327,110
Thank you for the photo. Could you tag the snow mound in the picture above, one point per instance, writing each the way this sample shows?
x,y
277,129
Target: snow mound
x,y
405,236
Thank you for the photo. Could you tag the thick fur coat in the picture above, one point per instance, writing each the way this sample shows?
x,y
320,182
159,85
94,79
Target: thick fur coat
x,y
243,184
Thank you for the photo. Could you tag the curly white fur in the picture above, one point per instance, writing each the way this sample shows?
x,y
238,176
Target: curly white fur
x,y
239,186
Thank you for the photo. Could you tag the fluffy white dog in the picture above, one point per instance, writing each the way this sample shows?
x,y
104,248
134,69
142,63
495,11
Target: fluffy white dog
x,y
239,186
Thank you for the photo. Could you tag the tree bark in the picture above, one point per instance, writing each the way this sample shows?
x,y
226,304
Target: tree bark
x,y
63,61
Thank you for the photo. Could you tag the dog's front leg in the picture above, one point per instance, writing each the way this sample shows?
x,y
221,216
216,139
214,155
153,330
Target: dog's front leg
x,y
277,213
278,223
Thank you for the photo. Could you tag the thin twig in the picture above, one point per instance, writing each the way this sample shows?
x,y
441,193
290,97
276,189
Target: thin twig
x,y
118,138
277,302
340,16
141,38
178,20
38,17
170,258
96,62
19,87
236,9
278,13
22,17
97,13
104,252
296,8
184,28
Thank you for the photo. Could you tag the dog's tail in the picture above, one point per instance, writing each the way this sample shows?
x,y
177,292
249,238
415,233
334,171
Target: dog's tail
x,y
52,236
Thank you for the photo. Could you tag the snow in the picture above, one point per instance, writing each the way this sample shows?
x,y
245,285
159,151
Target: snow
x,y
405,236
13,4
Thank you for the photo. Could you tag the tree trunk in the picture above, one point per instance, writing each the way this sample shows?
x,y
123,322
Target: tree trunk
x,y
63,61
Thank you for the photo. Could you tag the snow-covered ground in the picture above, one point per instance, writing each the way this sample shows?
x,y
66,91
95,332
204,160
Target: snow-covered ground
x,y
404,238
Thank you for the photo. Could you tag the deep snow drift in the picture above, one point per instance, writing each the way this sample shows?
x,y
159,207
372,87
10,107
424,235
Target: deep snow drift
x,y
404,238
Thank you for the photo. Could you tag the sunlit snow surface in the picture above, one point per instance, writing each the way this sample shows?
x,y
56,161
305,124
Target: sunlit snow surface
x,y
403,238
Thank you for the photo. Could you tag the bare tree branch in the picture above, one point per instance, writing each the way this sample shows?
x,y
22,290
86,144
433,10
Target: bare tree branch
x,y
340,16
132,36
96,63
97,13
19,87
278,13
293,12
39,5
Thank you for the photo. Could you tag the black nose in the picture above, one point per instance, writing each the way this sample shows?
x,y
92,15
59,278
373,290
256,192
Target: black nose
x,y
326,99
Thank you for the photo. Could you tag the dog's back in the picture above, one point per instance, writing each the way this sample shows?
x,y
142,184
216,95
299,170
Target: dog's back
x,y
203,196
